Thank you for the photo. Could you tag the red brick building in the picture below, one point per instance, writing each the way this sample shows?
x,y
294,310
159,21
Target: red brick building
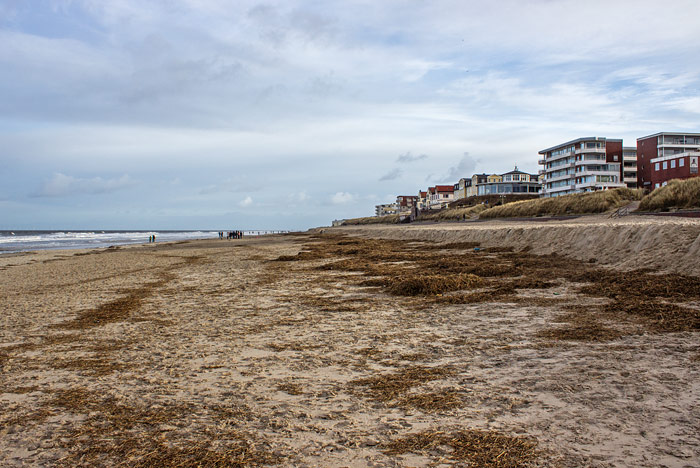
x,y
665,156
406,202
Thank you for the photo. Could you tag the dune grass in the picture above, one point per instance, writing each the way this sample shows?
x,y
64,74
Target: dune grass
x,y
678,194
453,213
389,219
579,203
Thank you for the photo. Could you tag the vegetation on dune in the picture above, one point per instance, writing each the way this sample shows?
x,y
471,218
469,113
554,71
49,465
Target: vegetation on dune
x,y
678,194
389,219
579,203
453,213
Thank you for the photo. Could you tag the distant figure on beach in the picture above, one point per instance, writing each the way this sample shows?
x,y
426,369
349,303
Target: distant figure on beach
x,y
150,239
154,237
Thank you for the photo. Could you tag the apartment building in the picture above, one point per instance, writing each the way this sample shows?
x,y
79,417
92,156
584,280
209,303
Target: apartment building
x,y
440,195
665,156
386,209
422,200
461,188
629,166
583,165
513,182
477,179
406,202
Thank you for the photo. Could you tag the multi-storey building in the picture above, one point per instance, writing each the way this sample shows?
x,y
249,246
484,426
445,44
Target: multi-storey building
x,y
628,171
665,156
513,182
422,200
477,179
406,202
386,209
440,195
582,165
461,188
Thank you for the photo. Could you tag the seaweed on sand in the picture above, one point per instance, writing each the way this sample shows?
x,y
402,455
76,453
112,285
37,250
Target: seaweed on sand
x,y
470,448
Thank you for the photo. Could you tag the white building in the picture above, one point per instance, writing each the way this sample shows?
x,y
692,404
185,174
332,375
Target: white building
x,y
581,165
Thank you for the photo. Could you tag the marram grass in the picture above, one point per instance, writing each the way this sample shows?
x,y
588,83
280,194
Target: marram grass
x,y
678,194
579,203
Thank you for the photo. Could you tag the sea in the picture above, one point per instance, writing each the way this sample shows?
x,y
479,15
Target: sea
x,y
23,241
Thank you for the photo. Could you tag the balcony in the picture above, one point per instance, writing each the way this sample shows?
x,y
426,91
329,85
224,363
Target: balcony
x,y
597,173
568,154
550,178
541,171
541,162
561,188
590,151
600,185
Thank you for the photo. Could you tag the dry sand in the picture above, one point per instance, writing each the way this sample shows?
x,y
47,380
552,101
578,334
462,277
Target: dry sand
x,y
208,353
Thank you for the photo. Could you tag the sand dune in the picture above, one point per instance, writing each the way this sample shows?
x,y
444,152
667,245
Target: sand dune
x,y
660,243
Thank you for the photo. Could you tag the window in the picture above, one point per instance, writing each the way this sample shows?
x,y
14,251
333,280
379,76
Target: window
x,y
673,163
657,185
681,162
615,158
665,165
656,166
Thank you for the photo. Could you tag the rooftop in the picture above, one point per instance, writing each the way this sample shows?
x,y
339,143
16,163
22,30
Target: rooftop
x,y
669,133
577,140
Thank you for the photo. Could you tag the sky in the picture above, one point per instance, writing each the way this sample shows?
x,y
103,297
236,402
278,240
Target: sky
x,y
217,114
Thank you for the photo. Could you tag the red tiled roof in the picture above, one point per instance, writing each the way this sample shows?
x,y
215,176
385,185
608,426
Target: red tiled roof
x,y
445,188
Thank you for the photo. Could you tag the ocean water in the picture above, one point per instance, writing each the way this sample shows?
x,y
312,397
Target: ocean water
x,y
21,241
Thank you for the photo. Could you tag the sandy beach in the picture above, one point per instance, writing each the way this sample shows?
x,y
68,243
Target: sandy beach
x,y
553,344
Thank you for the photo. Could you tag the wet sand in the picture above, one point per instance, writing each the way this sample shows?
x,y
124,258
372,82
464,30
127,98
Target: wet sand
x,y
214,353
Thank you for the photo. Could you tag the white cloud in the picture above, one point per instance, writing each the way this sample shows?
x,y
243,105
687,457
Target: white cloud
x,y
246,202
342,198
61,185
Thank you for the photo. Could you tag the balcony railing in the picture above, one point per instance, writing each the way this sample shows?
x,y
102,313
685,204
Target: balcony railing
x,y
590,150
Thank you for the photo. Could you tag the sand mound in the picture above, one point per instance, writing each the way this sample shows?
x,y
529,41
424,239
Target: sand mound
x,y
668,244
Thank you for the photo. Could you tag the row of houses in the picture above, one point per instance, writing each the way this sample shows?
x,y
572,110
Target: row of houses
x,y
438,196
585,164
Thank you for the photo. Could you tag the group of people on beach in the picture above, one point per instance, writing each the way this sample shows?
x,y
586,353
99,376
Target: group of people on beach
x,y
151,238
231,235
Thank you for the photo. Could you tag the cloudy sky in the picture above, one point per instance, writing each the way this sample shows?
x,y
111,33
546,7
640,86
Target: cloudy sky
x,y
217,114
